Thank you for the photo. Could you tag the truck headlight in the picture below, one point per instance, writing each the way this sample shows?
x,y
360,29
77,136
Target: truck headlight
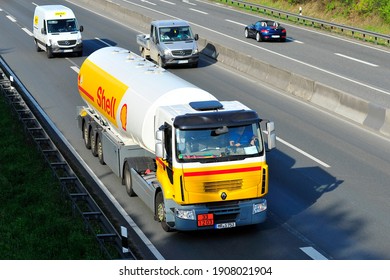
x,y
260,207
185,214
167,52
195,51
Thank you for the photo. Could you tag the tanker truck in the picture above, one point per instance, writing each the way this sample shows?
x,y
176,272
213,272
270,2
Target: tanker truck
x,y
170,143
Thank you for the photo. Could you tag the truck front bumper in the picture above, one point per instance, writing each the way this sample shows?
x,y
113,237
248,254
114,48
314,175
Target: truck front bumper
x,y
217,216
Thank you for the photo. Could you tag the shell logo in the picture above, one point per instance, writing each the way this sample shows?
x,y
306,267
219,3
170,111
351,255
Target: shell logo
x,y
123,116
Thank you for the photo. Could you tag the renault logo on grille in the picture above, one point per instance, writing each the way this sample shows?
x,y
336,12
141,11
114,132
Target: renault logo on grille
x,y
223,196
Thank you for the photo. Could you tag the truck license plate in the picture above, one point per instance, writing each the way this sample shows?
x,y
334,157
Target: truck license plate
x,y
205,220
182,61
225,225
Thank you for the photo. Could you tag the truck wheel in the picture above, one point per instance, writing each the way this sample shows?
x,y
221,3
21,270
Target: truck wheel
x,y
49,52
127,180
93,146
99,148
86,136
160,212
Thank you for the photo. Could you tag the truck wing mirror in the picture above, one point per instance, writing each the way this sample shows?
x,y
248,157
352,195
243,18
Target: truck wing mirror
x,y
159,146
271,135
81,28
196,37
43,31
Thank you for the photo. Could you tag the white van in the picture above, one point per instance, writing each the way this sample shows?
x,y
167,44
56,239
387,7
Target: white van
x,y
56,30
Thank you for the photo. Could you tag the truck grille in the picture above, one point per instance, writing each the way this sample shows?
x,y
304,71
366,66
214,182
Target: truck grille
x,y
66,43
224,212
229,185
182,53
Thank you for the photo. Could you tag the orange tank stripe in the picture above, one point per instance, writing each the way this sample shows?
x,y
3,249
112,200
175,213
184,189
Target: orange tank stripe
x,y
86,93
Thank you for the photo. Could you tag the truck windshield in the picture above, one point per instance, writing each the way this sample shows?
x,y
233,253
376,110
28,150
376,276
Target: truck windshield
x,y
62,25
227,143
177,33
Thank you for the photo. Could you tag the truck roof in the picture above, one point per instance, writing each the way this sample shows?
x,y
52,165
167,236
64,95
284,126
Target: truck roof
x,y
169,23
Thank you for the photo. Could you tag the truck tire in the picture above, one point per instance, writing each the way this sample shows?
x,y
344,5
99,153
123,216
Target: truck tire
x,y
99,148
160,212
127,181
86,136
93,146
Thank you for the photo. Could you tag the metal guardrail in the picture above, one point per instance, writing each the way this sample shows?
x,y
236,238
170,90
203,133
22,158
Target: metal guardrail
x,y
356,33
96,222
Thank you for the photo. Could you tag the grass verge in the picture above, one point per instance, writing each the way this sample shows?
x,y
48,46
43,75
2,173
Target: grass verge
x,y
36,222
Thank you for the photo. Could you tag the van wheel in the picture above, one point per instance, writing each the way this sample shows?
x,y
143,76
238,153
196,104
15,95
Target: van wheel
x,y
99,148
160,62
49,52
86,136
37,47
127,180
160,212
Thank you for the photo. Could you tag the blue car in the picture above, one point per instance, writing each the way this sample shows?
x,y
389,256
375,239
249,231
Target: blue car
x,y
266,30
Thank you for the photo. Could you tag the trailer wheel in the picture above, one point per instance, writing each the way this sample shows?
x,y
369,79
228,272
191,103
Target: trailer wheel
x,y
93,146
86,136
99,148
160,212
127,180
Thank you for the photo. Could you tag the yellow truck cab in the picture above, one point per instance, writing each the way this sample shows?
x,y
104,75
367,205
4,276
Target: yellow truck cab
x,y
56,30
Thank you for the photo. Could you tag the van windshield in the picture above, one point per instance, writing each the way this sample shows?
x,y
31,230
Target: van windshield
x,y
62,25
